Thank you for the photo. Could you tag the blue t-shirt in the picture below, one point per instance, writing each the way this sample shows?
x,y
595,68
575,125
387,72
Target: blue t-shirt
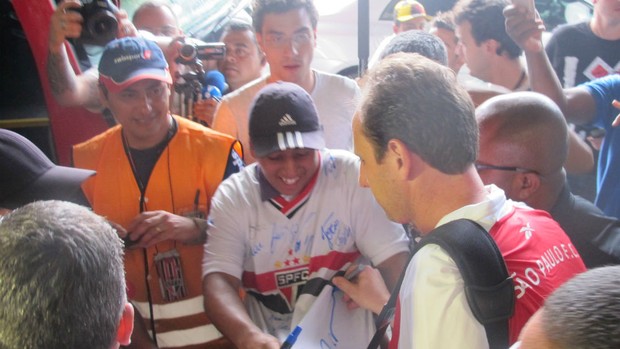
x,y
604,91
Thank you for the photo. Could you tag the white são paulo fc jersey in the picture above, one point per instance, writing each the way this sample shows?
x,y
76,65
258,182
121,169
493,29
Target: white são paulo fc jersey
x,y
285,252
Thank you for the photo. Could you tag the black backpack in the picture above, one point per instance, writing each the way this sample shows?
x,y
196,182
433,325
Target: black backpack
x,y
488,286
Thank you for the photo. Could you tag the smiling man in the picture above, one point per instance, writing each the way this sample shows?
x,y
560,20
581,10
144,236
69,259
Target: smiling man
x,y
286,32
284,226
156,174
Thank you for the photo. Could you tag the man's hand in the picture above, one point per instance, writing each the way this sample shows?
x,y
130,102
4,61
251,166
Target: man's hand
x,y
616,121
125,27
65,23
204,110
525,30
259,340
368,290
151,227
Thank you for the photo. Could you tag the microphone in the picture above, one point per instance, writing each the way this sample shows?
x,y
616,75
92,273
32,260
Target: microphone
x,y
214,85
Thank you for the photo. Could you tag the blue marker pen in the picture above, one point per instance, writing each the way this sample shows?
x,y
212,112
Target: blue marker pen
x,y
291,339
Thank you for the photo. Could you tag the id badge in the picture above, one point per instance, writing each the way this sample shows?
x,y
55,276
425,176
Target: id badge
x,y
170,272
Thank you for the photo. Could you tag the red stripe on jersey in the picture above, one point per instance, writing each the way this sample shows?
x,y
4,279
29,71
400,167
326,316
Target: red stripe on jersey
x,y
267,282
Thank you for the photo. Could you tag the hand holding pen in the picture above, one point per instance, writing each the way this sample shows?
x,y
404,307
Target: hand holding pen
x,y
365,288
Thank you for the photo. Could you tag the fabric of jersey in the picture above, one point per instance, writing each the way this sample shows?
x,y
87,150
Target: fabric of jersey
x,y
578,55
334,96
604,91
432,298
596,236
182,182
284,261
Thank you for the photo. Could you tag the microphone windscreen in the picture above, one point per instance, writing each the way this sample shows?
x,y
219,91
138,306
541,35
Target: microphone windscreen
x,y
215,78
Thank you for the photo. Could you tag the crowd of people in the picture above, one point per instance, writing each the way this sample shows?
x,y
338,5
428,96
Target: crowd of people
x,y
297,200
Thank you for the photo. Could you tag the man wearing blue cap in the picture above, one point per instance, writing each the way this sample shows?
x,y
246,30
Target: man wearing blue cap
x,y
156,174
285,225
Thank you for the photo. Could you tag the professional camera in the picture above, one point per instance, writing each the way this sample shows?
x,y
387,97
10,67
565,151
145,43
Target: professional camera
x,y
194,49
100,24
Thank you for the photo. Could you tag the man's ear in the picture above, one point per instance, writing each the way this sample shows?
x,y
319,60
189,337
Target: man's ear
x,y
103,96
251,151
491,46
403,160
259,40
314,37
395,28
526,184
125,327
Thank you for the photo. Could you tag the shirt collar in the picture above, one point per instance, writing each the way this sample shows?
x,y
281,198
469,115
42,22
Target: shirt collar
x,y
485,213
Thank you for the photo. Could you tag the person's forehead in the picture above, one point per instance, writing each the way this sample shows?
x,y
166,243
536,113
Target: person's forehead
x,y
143,84
238,36
295,20
151,14
463,29
416,20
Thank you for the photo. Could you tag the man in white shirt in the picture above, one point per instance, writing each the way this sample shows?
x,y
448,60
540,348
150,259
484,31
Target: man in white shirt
x,y
417,140
286,32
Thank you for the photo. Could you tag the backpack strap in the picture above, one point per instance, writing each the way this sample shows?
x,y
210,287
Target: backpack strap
x,y
488,287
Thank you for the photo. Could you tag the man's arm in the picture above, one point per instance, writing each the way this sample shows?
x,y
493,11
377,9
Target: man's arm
x,y
576,103
224,307
392,267
580,158
68,88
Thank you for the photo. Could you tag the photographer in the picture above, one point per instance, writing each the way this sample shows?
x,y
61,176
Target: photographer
x,y
68,23
242,63
68,88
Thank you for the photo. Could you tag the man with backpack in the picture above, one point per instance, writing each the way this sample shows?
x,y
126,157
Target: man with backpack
x,y
417,139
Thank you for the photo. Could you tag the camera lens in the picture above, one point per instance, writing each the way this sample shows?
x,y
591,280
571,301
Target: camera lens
x,y
103,27
187,52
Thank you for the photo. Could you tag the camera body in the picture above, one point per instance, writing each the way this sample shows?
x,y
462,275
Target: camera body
x,y
194,49
100,25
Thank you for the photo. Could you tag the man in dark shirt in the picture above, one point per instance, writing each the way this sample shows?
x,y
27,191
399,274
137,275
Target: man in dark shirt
x,y
522,148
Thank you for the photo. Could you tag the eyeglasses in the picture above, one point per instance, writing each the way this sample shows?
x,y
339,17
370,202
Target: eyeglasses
x,y
480,167
237,51
280,41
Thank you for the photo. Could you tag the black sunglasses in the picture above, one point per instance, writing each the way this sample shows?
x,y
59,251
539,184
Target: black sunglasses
x,y
480,167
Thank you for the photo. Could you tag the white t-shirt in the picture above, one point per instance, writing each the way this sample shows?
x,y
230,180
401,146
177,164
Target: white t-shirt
x,y
335,98
282,253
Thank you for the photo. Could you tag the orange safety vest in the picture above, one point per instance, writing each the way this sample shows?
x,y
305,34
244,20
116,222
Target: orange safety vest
x,y
191,166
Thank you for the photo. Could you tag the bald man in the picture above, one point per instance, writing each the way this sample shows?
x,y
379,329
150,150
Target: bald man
x,y
523,144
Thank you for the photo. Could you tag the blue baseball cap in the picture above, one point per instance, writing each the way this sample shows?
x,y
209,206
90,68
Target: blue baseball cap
x,y
131,59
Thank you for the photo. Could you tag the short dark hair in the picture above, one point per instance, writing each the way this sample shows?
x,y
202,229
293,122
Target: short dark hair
x,y
419,102
417,41
62,278
584,313
487,22
262,7
239,26
444,20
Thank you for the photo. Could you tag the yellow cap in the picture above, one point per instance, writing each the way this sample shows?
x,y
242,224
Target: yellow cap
x,y
409,9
